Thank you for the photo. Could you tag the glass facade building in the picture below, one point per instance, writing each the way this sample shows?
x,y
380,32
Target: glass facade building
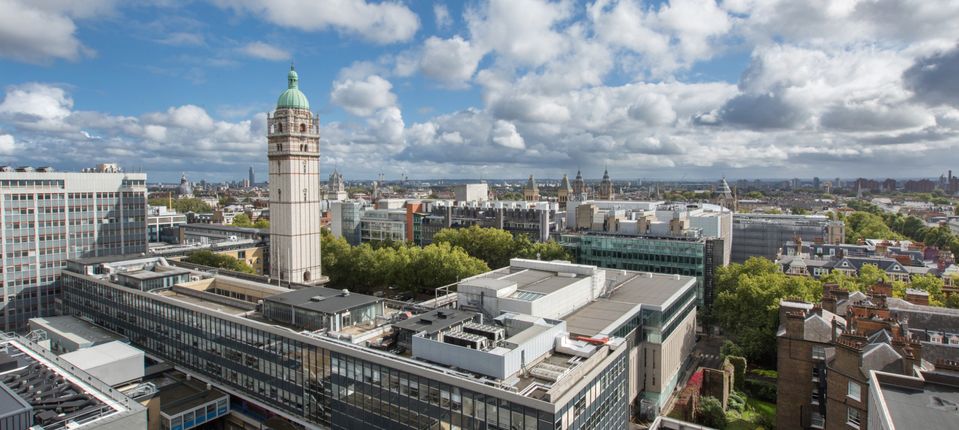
x,y
675,256
48,217
325,383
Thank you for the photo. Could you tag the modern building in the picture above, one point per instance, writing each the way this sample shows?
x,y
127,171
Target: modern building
x,y
763,235
294,164
383,225
49,217
163,224
471,192
38,389
539,221
927,400
252,177
536,345
345,219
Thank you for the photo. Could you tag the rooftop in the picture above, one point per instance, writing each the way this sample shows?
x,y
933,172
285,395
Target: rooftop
x,y
75,330
929,402
436,320
323,300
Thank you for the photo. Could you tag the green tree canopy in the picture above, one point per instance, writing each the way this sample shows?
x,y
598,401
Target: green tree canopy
x,y
864,225
182,205
747,304
496,246
211,259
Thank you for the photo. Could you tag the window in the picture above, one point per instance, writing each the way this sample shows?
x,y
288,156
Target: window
x,y
854,391
302,128
818,352
852,417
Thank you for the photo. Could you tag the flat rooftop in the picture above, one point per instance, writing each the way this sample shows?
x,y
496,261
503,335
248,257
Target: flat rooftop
x,y
323,300
639,289
932,406
215,306
158,272
186,395
436,320
75,329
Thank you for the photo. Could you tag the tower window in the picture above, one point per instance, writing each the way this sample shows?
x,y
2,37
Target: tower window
x,y
279,128
302,128
279,147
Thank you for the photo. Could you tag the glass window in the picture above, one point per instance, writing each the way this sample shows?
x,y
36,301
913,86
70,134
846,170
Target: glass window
x,y
818,352
853,391
852,417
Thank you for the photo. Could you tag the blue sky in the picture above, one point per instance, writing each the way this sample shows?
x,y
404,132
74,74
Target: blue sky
x,y
673,89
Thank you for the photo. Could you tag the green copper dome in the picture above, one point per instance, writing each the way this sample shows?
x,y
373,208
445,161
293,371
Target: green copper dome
x,y
292,98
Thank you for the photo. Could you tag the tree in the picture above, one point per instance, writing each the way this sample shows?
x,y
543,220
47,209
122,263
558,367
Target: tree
x,y
843,280
729,348
710,413
757,195
183,205
242,220
952,301
864,225
211,259
492,245
871,274
931,284
262,224
747,304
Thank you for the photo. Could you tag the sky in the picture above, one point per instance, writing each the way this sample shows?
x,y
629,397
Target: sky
x,y
679,89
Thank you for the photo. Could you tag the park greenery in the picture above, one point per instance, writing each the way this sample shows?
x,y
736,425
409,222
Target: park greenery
x,y
212,259
454,254
496,246
871,222
243,220
400,266
182,205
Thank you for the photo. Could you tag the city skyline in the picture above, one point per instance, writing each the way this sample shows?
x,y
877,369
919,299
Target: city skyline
x,y
658,90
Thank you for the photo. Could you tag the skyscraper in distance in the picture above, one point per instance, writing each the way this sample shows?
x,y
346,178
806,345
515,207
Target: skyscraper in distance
x,y
252,177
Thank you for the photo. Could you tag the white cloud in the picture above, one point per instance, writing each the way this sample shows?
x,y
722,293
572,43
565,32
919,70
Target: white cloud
x,y
383,22
265,51
7,144
452,61
32,33
442,15
505,135
522,31
363,97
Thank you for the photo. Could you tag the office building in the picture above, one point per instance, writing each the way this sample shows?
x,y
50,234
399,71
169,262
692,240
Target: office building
x,y
763,235
471,192
345,219
38,389
163,224
539,221
294,164
49,217
536,345
252,177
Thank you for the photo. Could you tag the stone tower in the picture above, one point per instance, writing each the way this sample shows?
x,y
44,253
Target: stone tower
x,y
293,150
605,191
531,190
564,192
579,186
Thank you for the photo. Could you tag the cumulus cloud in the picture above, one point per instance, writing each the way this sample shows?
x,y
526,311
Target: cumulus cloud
x,y
383,22
41,31
505,135
452,61
363,97
265,51
7,144
935,79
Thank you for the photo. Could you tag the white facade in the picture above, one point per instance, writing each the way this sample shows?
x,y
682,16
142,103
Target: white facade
x,y
471,192
294,165
49,217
